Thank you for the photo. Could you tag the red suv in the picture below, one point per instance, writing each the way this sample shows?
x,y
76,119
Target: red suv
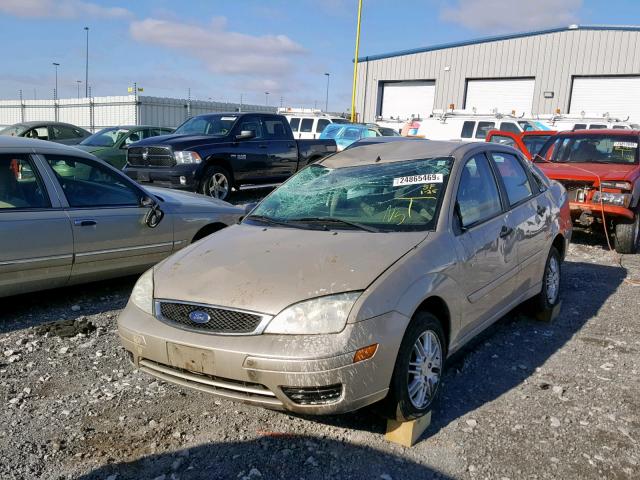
x,y
600,170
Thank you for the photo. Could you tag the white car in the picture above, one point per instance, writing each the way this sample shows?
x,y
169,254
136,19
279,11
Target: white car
x,y
310,126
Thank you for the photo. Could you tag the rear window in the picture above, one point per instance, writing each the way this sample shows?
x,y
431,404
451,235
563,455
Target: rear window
x,y
621,149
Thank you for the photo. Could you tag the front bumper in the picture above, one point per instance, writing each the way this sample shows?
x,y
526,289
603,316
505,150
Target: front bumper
x,y
183,177
596,209
254,368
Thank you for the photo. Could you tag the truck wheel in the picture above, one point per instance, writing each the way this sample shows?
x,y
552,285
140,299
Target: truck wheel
x,y
627,235
216,183
418,370
549,296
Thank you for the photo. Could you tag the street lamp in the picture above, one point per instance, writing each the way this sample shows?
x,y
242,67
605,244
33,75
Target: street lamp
x,y
86,67
326,103
55,92
266,98
78,82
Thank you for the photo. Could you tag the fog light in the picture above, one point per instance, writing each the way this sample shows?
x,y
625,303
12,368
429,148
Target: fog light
x,y
183,180
313,395
365,353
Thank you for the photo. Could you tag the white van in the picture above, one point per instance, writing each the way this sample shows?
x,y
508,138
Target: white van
x,y
460,125
567,122
310,126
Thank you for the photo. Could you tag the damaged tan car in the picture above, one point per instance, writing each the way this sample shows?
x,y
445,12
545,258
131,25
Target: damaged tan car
x,y
355,280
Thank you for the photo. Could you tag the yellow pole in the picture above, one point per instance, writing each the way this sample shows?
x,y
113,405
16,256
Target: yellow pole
x,y
355,65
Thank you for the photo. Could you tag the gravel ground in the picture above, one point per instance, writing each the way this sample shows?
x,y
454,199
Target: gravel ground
x,y
526,400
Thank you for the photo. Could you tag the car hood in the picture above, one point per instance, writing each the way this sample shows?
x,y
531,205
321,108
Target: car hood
x,y
588,171
267,269
189,200
178,141
91,148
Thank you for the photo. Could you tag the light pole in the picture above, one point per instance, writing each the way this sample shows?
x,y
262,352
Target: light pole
x,y
326,102
86,66
78,82
355,65
55,91
266,98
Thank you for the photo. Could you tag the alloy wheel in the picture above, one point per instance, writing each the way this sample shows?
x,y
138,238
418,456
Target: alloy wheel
x,y
425,368
552,283
218,186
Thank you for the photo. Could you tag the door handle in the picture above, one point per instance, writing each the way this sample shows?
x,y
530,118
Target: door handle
x,y
541,210
505,231
85,222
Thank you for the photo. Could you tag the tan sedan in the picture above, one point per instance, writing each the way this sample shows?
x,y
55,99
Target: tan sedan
x,y
355,280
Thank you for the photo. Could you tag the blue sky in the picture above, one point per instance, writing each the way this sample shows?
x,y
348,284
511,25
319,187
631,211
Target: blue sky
x,y
222,49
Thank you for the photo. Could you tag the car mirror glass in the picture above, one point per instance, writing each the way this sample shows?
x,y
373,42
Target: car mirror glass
x,y
246,135
154,216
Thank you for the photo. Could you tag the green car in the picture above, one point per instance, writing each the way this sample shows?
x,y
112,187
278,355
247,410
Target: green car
x,y
110,144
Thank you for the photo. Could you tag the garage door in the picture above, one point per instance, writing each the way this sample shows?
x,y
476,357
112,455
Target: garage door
x,y
501,95
405,100
619,96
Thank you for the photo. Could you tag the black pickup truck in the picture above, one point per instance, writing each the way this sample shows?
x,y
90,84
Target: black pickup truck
x,y
214,153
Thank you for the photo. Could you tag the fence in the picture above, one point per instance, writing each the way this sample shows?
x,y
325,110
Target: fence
x,y
95,113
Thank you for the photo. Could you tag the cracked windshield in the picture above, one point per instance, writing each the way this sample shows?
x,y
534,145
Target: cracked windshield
x,y
399,196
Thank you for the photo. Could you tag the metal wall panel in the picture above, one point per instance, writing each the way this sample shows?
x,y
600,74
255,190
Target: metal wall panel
x,y
552,58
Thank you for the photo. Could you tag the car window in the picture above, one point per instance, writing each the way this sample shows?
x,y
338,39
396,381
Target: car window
x,y
307,125
478,198
294,123
483,129
619,127
595,148
534,143
351,134
509,127
61,132
253,124
20,184
467,129
514,177
134,137
322,123
41,133
597,126
503,140
88,184
275,129
580,126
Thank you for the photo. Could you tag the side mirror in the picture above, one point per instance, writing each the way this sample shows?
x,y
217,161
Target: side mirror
x,y
246,135
249,206
155,214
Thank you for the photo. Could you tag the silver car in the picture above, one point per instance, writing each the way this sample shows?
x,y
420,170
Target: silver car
x,y
67,217
355,280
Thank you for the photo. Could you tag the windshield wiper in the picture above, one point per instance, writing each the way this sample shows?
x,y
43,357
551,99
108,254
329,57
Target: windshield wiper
x,y
359,226
271,221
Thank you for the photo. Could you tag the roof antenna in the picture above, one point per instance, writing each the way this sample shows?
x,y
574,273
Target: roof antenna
x,y
378,159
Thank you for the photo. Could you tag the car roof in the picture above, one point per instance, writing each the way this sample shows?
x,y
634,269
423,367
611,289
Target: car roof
x,y
417,149
608,131
23,145
34,123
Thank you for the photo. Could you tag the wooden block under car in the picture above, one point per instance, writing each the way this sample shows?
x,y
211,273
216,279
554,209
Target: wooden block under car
x,y
551,314
407,433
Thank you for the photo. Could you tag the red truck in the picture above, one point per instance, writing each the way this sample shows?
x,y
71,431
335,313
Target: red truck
x,y
529,142
601,173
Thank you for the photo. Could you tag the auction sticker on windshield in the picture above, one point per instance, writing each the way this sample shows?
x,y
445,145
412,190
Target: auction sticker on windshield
x,y
625,144
418,179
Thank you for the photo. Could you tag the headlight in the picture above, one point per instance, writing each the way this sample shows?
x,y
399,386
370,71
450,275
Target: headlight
x,y
618,185
187,157
618,199
142,295
311,317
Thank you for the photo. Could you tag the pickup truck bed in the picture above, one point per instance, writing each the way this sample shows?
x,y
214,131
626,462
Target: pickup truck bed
x,y
214,153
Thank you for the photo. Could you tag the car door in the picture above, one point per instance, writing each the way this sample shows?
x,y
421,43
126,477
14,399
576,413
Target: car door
x,y
529,214
250,157
283,150
110,235
36,242
486,244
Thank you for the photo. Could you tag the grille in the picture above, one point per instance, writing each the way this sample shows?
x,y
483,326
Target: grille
x,y
220,320
156,157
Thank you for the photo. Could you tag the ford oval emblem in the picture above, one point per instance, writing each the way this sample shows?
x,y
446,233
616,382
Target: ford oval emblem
x,y
198,316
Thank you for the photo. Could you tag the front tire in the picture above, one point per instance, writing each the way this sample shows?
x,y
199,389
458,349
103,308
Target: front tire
x,y
418,370
628,235
216,183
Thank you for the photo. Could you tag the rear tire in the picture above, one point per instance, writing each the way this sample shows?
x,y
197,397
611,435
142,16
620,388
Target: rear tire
x,y
627,234
549,296
216,183
417,374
